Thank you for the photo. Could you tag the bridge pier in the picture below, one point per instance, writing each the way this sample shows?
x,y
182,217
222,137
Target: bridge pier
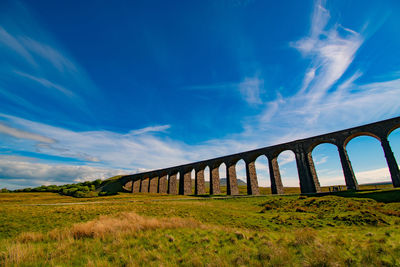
x,y
163,184
251,178
313,172
231,179
351,182
153,184
305,167
144,185
185,182
172,184
275,176
214,180
136,186
199,184
391,162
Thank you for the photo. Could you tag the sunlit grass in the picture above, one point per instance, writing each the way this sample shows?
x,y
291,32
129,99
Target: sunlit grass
x,y
151,229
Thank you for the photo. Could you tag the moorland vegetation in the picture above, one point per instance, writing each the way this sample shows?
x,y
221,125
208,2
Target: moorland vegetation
x,y
339,229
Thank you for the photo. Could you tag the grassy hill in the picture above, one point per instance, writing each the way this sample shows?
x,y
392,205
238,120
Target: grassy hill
x,y
346,229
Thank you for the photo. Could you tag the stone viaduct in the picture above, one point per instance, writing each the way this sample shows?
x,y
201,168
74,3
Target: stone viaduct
x,y
165,180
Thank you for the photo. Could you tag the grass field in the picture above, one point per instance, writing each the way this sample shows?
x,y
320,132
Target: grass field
x,y
345,229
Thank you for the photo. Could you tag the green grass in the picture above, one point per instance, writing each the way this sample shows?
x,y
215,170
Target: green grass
x,y
344,229
385,196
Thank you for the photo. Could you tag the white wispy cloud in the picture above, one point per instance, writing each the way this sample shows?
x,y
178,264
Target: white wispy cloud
x,y
331,52
4,129
150,129
46,83
12,43
46,51
34,60
322,160
250,88
326,101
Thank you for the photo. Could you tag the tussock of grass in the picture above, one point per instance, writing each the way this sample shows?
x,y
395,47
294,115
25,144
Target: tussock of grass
x,y
29,237
304,236
126,223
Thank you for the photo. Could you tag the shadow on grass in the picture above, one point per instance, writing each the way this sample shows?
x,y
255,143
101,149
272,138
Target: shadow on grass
x,y
380,195
384,196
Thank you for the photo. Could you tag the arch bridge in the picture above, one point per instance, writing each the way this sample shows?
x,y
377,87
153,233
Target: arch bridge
x,y
165,180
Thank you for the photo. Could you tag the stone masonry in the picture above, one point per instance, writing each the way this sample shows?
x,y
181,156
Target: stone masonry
x,y
165,180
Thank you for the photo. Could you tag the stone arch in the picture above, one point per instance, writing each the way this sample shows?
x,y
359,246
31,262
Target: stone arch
x,y
192,180
331,173
357,134
288,170
207,177
231,176
240,167
394,139
277,151
392,129
367,159
222,177
263,176
314,144
391,151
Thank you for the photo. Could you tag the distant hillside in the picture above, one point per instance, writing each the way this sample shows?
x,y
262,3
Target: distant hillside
x,y
222,182
112,185
378,183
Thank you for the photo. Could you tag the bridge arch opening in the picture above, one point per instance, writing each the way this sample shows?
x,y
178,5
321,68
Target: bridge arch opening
x,y
178,180
368,162
288,171
207,179
394,140
263,176
327,164
192,177
222,178
241,176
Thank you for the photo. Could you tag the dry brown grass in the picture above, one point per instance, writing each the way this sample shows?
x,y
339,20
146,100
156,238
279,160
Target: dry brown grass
x,y
23,249
125,223
28,237
304,236
18,253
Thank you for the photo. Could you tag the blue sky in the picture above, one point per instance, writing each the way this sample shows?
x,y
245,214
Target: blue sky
x,y
90,89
